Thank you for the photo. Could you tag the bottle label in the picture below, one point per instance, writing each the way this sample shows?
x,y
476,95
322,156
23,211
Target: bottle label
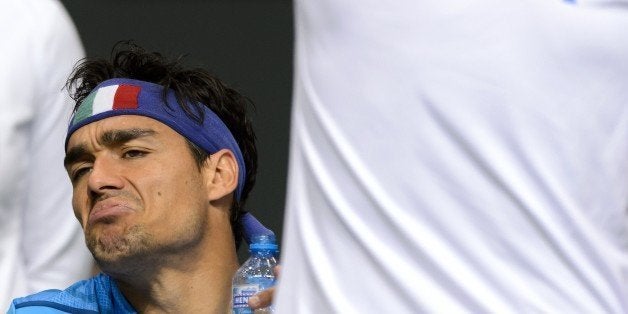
x,y
241,295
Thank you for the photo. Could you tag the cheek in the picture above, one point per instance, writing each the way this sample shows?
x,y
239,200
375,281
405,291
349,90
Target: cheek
x,y
175,186
177,197
79,206
169,191
77,210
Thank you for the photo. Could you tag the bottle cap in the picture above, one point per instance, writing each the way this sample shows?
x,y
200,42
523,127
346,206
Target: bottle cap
x,y
263,242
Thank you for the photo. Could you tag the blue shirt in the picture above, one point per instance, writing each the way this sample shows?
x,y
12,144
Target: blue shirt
x,y
99,294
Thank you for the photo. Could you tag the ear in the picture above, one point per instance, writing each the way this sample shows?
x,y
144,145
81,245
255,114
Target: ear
x,y
221,174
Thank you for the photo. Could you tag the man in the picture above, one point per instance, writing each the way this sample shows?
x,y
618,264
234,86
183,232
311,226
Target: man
x,y
458,157
161,160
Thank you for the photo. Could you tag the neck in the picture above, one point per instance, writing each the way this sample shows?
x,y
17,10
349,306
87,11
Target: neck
x,y
195,281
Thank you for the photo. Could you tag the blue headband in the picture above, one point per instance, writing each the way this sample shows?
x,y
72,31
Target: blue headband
x,y
121,96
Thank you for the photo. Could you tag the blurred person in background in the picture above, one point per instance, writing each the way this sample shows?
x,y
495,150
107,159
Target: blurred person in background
x,y
41,244
458,157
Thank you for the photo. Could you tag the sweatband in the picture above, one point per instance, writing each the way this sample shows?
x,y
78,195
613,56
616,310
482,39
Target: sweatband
x,y
121,96
252,227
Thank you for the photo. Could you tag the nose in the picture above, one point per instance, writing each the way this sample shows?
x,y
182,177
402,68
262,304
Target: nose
x,y
105,176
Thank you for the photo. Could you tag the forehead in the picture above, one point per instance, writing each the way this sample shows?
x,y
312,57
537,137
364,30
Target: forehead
x,y
96,129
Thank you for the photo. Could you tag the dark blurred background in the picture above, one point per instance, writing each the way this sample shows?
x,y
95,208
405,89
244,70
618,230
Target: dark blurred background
x,y
246,43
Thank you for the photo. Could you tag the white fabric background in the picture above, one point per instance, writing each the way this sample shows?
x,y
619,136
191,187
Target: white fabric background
x,y
458,157
41,243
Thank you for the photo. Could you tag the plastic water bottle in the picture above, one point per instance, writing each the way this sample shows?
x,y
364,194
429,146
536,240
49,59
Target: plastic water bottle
x,y
256,274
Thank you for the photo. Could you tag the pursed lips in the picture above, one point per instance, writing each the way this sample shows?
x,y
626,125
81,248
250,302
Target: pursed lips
x,y
108,208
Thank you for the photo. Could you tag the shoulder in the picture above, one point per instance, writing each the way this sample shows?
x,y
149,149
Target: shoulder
x,y
81,297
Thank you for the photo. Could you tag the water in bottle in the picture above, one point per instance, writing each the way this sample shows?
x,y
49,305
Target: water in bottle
x,y
256,274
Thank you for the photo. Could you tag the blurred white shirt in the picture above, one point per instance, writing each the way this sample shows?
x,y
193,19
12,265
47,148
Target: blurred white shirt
x,y
41,243
458,157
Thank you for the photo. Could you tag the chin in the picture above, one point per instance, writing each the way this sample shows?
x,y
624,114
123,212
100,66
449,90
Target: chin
x,y
115,247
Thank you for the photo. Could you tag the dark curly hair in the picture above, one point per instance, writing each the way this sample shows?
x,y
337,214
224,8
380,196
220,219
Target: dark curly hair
x,y
192,86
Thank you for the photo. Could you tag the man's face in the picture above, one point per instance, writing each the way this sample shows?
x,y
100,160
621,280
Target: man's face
x,y
137,190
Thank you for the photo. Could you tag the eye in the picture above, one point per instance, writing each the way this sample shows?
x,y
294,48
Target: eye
x,y
133,153
78,173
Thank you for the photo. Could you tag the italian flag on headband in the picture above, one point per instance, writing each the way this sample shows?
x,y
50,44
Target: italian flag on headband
x,y
113,97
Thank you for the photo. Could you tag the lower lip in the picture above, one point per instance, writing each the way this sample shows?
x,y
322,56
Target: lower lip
x,y
108,213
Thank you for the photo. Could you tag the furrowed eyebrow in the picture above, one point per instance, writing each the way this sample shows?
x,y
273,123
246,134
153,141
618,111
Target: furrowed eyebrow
x,y
74,154
110,138
117,137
